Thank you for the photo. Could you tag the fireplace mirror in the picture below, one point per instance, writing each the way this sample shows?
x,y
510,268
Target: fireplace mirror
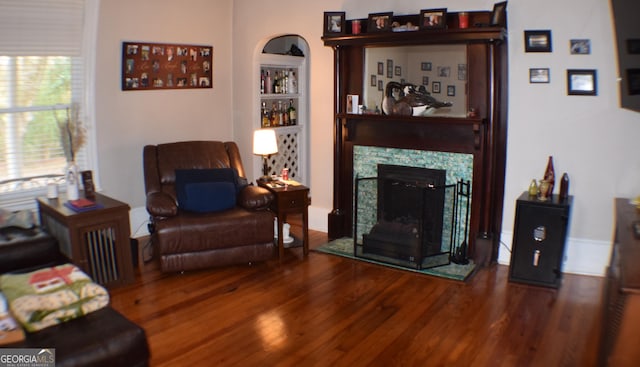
x,y
440,71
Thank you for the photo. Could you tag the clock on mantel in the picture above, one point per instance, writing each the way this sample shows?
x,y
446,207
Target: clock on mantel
x,y
477,81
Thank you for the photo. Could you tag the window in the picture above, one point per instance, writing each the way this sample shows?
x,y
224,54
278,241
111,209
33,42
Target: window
x,y
43,72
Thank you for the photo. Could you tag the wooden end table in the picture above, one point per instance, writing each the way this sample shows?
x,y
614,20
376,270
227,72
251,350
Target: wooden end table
x,y
290,199
96,240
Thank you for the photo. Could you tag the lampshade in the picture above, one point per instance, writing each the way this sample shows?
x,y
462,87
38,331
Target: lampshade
x,y
264,142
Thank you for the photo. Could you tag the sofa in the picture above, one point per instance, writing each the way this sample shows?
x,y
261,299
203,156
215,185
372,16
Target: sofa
x,y
103,338
197,222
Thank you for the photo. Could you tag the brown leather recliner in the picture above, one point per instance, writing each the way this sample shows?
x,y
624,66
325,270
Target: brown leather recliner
x,y
194,240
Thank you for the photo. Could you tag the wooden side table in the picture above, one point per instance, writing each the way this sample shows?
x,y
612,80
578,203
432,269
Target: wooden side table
x,y
96,240
290,199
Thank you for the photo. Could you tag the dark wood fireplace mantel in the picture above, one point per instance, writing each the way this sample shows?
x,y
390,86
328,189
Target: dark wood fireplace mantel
x,y
483,136
446,134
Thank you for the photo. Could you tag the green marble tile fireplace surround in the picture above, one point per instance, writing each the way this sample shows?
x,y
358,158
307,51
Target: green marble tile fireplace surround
x,y
458,166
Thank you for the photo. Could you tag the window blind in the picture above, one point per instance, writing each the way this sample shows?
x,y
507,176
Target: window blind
x,y
41,27
42,74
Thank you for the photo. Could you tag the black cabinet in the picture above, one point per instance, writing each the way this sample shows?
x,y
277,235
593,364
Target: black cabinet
x,y
539,236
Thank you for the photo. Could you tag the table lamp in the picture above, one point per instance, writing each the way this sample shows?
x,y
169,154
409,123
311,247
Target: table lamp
x,y
265,144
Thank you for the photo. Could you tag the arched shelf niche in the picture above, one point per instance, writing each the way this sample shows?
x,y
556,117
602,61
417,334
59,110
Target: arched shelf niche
x,y
285,58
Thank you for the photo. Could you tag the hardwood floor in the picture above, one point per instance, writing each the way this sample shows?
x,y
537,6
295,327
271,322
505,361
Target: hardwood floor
x,y
329,311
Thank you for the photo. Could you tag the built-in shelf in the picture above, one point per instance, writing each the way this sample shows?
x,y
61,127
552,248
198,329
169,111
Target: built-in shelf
x,y
291,137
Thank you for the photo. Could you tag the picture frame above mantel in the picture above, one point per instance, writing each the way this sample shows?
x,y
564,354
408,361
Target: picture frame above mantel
x,y
491,34
334,23
433,18
379,22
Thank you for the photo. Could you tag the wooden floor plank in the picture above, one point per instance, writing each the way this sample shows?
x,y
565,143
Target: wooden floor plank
x,y
325,310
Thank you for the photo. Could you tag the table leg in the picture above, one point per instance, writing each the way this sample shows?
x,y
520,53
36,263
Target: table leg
x,y
281,220
305,231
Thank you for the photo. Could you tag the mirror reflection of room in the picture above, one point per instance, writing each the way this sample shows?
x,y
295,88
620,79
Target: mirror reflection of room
x,y
435,75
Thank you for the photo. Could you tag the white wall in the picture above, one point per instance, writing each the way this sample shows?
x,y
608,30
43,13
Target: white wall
x,y
126,121
275,18
589,137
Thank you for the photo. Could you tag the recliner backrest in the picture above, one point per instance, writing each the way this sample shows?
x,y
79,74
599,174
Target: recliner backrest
x,y
161,161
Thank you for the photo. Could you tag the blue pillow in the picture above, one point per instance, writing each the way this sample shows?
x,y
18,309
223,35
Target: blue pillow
x,y
195,194
207,197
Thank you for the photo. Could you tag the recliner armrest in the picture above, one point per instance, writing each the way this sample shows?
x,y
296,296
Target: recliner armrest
x,y
254,198
160,204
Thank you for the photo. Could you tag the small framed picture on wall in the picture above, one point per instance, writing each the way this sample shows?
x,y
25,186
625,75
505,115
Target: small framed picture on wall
x,y
537,41
435,87
582,82
451,90
580,47
539,75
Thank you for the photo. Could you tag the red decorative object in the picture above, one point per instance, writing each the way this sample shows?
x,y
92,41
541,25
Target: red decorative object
x,y
549,175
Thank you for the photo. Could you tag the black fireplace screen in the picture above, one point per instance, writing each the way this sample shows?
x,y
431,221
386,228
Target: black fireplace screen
x,y
408,216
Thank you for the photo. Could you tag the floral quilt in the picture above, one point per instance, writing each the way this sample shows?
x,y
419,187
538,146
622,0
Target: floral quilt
x,y
50,296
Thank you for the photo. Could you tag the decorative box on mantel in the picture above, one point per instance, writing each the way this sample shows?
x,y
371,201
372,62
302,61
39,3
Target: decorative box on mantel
x,y
480,133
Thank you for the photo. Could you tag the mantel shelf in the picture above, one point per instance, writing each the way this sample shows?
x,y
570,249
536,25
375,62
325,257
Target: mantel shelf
x,y
436,36
414,119
459,135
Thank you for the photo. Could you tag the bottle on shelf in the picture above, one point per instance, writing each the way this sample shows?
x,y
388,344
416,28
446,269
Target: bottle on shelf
x,y
284,87
291,111
265,115
274,115
276,83
267,82
292,87
262,81
280,114
285,114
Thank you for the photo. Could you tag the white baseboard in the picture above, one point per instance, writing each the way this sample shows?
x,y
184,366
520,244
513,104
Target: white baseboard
x,y
138,220
581,256
318,219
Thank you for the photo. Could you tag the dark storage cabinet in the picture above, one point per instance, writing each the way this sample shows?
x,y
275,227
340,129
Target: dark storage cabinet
x,y
539,236
621,294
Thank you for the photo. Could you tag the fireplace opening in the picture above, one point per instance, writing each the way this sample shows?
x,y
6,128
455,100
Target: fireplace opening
x,y
407,216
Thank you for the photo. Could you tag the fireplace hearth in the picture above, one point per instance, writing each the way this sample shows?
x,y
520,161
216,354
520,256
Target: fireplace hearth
x,y
409,216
